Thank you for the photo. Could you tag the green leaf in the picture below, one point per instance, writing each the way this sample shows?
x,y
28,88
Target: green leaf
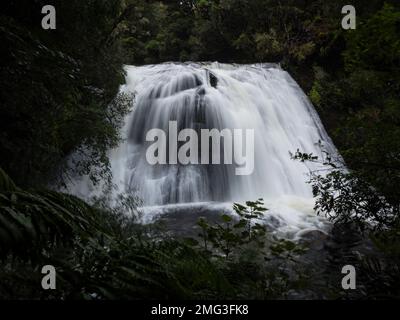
x,y
226,218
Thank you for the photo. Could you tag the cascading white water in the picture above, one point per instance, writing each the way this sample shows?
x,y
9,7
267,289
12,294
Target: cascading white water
x,y
262,97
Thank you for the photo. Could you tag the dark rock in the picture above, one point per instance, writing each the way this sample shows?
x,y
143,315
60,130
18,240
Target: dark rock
x,y
213,79
313,239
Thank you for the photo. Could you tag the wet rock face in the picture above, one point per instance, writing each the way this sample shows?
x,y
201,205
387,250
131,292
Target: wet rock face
x,y
313,239
182,223
213,80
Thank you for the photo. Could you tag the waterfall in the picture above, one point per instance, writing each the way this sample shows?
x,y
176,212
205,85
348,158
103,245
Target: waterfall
x,y
261,97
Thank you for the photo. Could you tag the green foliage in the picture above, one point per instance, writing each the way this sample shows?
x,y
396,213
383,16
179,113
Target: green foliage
x,y
57,88
287,250
6,184
231,234
361,104
232,31
357,201
376,43
365,215
268,46
256,264
103,253
253,210
33,221
98,254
